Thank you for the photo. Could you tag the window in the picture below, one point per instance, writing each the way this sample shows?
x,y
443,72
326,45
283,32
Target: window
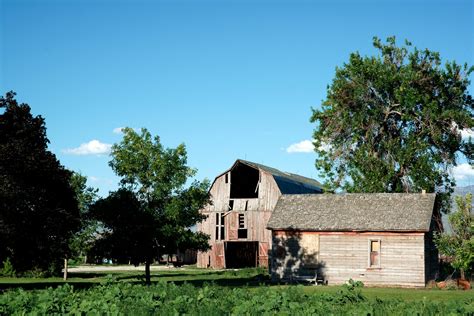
x,y
374,253
226,178
231,205
246,205
220,226
217,226
241,220
242,231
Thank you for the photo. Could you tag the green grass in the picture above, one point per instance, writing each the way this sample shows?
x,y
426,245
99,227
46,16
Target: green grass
x,y
406,294
191,275
250,278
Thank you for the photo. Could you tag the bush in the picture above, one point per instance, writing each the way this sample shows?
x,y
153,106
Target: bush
x,y
7,269
34,273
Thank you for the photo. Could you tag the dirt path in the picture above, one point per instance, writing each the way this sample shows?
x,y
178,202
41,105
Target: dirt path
x,y
105,268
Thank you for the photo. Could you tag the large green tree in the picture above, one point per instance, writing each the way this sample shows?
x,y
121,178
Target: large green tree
x,y
392,122
160,207
38,208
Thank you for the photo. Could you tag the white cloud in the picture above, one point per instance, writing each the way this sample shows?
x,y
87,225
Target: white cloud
x,y
304,146
463,171
119,130
100,180
93,179
466,133
94,147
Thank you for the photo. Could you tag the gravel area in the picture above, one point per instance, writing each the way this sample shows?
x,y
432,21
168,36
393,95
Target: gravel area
x,y
105,268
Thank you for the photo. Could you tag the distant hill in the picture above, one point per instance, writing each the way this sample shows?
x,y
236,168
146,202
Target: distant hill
x,y
464,190
457,191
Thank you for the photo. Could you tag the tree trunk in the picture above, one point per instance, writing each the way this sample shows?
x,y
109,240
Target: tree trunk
x,y
65,270
463,276
147,272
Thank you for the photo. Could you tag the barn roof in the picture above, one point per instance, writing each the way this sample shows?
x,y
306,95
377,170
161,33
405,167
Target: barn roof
x,y
286,181
353,212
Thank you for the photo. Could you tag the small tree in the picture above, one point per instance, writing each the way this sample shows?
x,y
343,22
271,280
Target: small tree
x,y
458,246
81,243
153,211
129,231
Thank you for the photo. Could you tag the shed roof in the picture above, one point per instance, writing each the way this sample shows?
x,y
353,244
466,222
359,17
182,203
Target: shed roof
x,y
353,212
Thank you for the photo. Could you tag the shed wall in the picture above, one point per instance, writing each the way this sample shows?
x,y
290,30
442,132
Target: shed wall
x,y
346,255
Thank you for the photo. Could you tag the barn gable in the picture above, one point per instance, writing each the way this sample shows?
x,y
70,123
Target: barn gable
x,y
243,199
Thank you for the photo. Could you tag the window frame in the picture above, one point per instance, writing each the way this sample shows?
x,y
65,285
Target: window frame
x,y
244,228
220,226
369,261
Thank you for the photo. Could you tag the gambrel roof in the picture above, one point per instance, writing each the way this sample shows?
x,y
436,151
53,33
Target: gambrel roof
x,y
288,183
354,212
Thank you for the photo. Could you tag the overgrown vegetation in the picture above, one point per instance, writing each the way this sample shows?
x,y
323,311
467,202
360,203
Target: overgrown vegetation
x,y
458,246
170,299
7,269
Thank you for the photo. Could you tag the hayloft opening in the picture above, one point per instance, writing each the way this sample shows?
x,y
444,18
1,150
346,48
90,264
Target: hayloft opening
x,y
244,182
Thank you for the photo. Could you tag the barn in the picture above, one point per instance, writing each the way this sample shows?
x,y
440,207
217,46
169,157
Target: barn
x,y
382,239
243,198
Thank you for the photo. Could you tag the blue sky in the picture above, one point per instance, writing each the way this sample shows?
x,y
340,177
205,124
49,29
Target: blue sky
x,y
230,79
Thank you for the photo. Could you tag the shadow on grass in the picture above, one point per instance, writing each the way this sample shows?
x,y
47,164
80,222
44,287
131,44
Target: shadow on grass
x,y
223,278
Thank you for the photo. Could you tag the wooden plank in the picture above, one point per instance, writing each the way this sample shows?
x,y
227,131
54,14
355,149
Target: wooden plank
x,y
257,212
344,256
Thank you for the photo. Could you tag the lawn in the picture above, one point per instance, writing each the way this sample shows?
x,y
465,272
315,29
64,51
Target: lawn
x,y
250,278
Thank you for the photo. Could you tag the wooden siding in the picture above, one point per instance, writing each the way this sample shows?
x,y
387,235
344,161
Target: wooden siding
x,y
268,192
256,218
346,255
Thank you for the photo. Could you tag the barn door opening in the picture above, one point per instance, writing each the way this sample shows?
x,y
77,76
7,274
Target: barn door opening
x,y
241,254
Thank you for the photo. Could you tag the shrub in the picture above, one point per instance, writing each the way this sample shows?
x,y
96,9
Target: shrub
x,y
7,269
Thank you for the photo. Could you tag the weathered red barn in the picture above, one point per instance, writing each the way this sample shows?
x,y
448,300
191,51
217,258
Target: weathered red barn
x,y
383,239
243,198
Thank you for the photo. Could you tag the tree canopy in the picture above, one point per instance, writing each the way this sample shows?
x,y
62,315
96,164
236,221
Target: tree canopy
x,y
393,122
38,207
161,207
82,241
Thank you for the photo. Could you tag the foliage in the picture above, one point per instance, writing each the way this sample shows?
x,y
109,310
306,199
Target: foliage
x,y
459,246
153,211
393,122
170,299
85,195
351,292
7,269
129,228
38,207
82,241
